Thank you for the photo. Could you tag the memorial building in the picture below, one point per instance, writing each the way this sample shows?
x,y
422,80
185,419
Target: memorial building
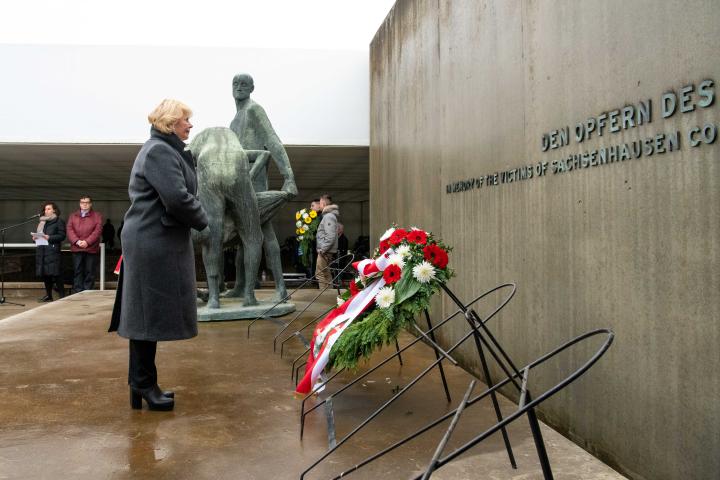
x,y
566,152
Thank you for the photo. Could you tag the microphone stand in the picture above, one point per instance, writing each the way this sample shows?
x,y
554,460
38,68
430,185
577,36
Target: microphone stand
x,y
2,261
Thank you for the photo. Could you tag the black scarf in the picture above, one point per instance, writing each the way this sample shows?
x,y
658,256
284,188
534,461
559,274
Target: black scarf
x,y
174,141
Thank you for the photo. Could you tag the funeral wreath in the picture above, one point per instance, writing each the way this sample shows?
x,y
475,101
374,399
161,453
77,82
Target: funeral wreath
x,y
417,263
392,289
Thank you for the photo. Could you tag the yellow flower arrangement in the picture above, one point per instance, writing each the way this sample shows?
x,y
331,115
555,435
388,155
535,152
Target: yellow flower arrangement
x,y
306,225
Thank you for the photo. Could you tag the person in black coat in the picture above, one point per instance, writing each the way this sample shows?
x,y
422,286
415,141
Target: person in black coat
x,y
156,293
47,257
108,235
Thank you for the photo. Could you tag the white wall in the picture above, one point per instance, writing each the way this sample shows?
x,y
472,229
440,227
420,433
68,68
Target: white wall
x,y
101,94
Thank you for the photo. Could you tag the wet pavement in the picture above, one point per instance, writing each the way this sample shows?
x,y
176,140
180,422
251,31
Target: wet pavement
x,y
65,413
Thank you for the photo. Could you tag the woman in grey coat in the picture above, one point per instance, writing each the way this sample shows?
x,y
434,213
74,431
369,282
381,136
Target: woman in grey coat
x,y
156,294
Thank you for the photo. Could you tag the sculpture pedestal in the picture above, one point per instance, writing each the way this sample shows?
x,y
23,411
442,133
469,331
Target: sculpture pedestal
x,y
233,309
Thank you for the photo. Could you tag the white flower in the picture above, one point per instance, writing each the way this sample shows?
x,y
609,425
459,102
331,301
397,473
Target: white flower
x,y
305,215
396,259
423,272
300,237
385,297
387,234
303,210
403,250
298,224
340,301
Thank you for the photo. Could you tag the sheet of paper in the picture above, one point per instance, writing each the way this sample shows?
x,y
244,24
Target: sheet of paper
x,y
38,239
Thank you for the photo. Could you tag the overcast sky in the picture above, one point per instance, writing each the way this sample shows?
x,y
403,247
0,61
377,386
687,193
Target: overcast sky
x,y
314,24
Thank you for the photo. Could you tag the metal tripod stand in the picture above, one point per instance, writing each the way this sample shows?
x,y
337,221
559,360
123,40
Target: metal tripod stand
x,y
3,301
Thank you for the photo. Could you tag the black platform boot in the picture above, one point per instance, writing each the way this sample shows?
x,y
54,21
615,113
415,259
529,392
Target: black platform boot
x,y
48,292
153,396
168,393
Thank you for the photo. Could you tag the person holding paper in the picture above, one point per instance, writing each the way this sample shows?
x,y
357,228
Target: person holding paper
x,y
48,236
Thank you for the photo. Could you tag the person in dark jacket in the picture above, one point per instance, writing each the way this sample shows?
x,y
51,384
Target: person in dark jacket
x,y
84,231
108,235
156,293
342,255
47,257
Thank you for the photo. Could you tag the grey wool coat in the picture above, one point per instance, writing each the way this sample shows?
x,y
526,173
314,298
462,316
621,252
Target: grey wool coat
x,y
156,290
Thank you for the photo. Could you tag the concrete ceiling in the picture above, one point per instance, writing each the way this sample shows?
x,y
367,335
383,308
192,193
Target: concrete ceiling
x,y
32,171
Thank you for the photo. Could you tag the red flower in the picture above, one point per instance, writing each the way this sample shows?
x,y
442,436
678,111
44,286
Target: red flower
x,y
392,274
353,287
397,237
436,255
417,236
442,259
384,245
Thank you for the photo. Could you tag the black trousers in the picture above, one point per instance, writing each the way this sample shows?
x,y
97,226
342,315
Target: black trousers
x,y
85,265
49,281
142,372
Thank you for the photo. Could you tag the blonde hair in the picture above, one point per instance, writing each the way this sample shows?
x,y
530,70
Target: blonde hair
x,y
166,115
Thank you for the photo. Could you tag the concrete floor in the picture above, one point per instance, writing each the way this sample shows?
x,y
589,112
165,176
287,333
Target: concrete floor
x,y
64,409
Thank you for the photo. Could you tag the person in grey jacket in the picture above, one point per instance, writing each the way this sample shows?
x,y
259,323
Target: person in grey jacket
x,y
327,240
155,300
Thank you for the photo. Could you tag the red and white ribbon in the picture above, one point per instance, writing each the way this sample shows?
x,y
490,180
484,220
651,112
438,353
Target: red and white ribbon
x,y
334,324
117,267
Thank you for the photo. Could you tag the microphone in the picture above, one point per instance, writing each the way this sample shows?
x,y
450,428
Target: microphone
x,y
37,215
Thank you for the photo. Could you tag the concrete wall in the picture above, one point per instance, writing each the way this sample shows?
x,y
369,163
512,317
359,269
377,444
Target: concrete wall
x,y
465,89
